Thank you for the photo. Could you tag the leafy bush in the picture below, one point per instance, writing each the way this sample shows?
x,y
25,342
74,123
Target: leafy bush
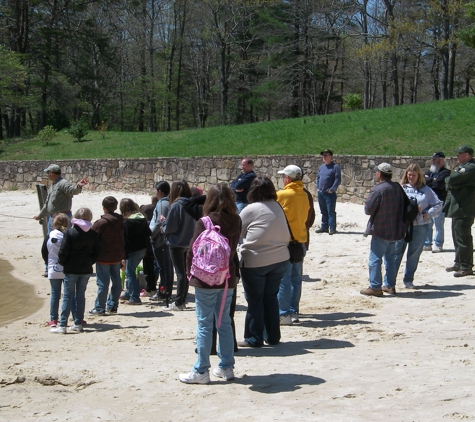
x,y
352,102
102,128
78,130
47,134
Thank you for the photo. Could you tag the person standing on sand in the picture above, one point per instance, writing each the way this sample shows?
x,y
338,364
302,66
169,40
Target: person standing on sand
x,y
385,205
241,184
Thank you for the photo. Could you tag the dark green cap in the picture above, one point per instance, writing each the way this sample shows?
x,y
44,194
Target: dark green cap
x,y
465,148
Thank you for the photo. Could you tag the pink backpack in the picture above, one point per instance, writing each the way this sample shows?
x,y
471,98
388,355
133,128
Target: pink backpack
x,y
210,264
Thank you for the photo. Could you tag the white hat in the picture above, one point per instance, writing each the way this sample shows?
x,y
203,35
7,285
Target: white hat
x,y
292,171
385,168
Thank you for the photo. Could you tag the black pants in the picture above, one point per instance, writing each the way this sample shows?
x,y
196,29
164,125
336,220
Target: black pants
x,y
463,242
162,255
178,256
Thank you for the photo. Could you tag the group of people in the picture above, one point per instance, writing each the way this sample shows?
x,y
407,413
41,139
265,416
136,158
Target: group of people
x,y
258,222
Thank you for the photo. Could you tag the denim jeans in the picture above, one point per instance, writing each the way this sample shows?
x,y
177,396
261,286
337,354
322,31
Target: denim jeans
x,y
178,256
165,268
290,289
105,273
380,249
131,282
414,250
240,206
438,222
261,287
327,203
463,242
208,303
74,296
55,297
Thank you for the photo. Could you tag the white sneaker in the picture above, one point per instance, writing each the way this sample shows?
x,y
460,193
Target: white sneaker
x,y
427,248
409,286
226,374
75,329
294,317
58,330
194,378
174,307
285,320
437,249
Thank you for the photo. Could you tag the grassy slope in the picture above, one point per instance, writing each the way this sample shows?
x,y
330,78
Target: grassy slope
x,y
414,130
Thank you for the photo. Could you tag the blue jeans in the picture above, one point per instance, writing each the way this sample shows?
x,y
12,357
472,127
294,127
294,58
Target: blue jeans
x,y
438,222
74,296
240,206
327,203
208,303
104,274
131,282
380,249
290,289
261,286
414,251
55,297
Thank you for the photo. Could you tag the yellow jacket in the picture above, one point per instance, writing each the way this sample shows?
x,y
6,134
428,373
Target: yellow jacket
x,y
294,201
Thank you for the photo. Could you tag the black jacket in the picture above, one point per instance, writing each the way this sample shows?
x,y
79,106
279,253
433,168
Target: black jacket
x,y
436,181
79,251
137,233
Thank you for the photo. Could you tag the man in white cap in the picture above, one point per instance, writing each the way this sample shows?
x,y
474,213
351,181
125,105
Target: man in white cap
x,y
60,194
385,205
295,203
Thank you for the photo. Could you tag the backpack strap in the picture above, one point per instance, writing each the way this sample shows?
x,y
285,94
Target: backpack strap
x,y
223,300
209,224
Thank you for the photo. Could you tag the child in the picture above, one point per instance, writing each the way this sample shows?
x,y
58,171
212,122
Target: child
x,y
49,252
79,250
110,228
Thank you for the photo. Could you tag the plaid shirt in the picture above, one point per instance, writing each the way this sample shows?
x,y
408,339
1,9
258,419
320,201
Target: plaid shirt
x,y
385,204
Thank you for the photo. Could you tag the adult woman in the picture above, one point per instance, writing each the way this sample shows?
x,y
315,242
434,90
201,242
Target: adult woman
x,y
430,206
136,239
264,259
178,228
220,208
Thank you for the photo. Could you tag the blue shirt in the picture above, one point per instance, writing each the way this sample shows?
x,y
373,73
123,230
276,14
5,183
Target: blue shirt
x,y
328,177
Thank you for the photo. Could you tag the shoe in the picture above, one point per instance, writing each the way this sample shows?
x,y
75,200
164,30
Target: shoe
x,y
437,249
285,320
58,330
331,232
371,292
294,317
226,374
427,248
174,307
320,230
124,296
45,274
128,302
463,273
389,290
409,286
245,344
53,323
452,268
111,311
75,329
194,378
144,293
83,322
96,312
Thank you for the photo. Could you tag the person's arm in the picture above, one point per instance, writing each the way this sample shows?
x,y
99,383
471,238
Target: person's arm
x,y
96,251
194,206
173,221
64,249
337,180
372,203
438,183
462,177
434,202
44,250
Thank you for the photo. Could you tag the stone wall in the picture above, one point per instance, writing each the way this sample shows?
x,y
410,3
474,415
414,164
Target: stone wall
x,y
140,175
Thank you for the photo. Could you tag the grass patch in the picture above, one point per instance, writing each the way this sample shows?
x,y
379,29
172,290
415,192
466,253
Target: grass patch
x,y
419,129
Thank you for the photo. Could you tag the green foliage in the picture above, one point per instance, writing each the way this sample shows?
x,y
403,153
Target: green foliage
x,y
467,35
102,128
353,102
412,130
78,130
12,79
47,134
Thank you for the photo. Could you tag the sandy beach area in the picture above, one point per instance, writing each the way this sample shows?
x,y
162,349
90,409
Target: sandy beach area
x,y
351,358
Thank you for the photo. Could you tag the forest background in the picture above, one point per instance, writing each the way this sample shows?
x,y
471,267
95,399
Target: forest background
x,y
166,65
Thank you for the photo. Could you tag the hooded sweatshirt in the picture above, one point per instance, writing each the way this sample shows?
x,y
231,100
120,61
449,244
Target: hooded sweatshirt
x,y
136,233
110,228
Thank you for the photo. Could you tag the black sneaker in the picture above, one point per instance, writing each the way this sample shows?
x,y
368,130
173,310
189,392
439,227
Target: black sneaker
x,y
111,311
320,230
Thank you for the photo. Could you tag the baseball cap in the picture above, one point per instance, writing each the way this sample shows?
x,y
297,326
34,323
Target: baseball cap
x,y
438,154
291,171
54,168
327,151
465,148
385,168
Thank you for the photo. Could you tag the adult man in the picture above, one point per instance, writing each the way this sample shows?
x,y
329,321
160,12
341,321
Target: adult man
x,y
295,203
385,205
435,179
240,185
328,180
59,198
460,206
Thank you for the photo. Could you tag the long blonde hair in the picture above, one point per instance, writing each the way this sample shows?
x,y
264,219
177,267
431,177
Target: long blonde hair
x,y
420,177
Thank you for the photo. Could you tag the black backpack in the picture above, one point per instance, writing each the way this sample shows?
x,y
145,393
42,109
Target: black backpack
x,y
411,209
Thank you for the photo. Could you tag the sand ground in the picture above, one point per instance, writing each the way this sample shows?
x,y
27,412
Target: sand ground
x,y
351,358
